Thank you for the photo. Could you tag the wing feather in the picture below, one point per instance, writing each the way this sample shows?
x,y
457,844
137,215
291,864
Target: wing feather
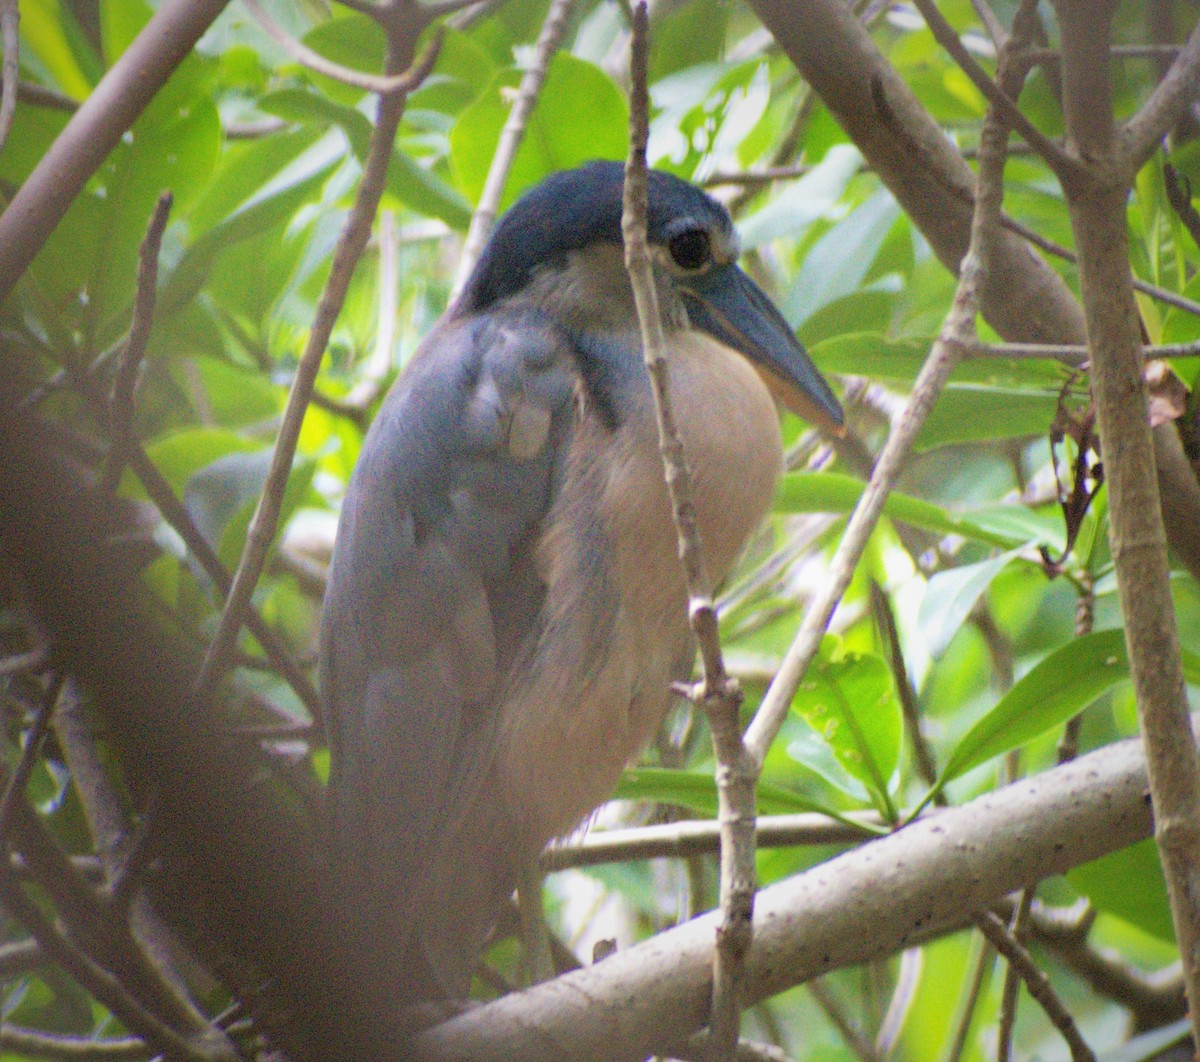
x,y
433,590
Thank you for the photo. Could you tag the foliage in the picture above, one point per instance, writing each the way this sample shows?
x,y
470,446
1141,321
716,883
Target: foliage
x,y
262,158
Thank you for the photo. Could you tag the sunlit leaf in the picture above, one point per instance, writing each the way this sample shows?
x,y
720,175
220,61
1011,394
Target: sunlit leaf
x,y
554,140
951,595
850,700
1006,526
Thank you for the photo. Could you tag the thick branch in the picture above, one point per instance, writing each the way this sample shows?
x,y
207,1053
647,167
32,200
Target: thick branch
x,y
95,129
1139,546
923,881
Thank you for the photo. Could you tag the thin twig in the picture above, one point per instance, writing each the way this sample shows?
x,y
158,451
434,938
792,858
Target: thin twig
x,y
96,926
33,661
40,96
349,249
316,62
690,838
62,1047
720,696
179,519
1153,999
756,177
20,957
99,982
109,830
1012,981
1055,157
29,753
1037,983
511,136
10,64
964,193
121,407
942,359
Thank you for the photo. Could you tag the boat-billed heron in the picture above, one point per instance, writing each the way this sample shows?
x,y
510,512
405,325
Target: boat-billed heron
x,y
506,607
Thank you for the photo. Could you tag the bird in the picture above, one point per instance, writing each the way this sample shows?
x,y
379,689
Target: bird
x,y
506,608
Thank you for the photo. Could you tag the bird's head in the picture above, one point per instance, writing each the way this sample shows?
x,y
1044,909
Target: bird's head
x,y
561,246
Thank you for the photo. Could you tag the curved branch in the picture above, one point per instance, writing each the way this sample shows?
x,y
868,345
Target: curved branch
x,y
1142,134
316,62
350,246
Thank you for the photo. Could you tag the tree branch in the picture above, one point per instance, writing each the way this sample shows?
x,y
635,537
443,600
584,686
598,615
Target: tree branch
x,y
1138,540
1037,983
10,65
718,694
998,100
1142,134
910,886
95,129
316,62
691,838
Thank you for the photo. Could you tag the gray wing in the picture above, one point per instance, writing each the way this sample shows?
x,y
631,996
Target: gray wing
x,y
432,591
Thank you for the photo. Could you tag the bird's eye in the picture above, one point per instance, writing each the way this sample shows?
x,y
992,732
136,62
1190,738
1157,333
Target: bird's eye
x,y
690,249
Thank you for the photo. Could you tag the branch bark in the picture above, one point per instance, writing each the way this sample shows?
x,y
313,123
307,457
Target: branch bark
x,y
1138,539
95,129
718,694
918,883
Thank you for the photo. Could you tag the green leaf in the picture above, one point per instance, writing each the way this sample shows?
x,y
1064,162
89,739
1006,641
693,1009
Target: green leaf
x,y
425,192
697,791
176,155
1006,526
838,262
803,201
850,700
555,138
43,32
274,205
1129,884
950,596
974,414
235,397
245,170
1058,688
309,107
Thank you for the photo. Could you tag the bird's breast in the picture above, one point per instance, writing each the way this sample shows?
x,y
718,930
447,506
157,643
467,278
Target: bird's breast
x,y
569,732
